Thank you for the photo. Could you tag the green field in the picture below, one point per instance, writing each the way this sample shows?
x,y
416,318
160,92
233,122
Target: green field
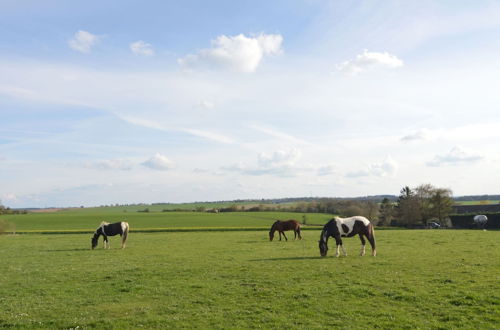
x,y
89,220
420,279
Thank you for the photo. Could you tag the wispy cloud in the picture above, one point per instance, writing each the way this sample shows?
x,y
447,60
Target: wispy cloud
x,y
235,53
142,48
205,104
213,136
422,134
83,41
208,135
110,164
279,134
454,157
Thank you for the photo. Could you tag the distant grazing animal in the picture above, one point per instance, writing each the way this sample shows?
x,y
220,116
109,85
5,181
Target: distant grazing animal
x,y
480,220
282,226
111,229
347,227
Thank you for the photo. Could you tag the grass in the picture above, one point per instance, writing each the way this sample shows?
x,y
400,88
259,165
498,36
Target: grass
x,y
437,279
89,219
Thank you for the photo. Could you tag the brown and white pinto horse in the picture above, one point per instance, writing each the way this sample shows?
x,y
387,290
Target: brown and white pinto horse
x,y
110,229
282,226
347,227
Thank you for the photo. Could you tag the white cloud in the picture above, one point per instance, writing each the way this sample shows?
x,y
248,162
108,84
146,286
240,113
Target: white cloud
x,y
454,157
142,48
327,170
368,61
422,134
278,163
10,197
235,53
279,158
206,105
83,41
159,162
388,168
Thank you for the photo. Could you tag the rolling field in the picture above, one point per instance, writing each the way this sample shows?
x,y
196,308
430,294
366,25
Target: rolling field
x,y
89,219
438,279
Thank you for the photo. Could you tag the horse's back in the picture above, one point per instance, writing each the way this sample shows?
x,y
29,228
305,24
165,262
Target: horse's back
x,y
355,218
292,224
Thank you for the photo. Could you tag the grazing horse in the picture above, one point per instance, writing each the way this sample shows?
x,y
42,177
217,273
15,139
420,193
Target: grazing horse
x,y
111,229
347,227
281,226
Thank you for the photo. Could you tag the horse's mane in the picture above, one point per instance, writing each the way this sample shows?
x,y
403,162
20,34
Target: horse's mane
x,y
104,223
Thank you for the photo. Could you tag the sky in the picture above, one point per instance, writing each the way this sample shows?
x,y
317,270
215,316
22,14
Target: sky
x,y
122,102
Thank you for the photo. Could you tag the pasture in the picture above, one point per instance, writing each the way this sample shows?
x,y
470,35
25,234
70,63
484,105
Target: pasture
x,y
89,219
420,279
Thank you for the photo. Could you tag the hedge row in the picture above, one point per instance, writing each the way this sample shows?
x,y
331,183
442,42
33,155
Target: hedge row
x,y
467,220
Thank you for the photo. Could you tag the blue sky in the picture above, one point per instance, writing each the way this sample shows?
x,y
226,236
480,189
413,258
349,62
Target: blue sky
x,y
105,102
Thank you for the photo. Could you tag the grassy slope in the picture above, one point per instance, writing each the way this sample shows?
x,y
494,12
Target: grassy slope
x,y
420,279
89,220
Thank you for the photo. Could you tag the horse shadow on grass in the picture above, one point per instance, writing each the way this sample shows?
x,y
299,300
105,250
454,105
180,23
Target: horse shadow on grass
x,y
67,250
289,258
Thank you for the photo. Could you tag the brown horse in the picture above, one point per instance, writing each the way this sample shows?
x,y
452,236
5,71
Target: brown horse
x,y
282,226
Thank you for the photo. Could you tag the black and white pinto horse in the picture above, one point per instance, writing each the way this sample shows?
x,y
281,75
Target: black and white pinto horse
x,y
347,227
110,229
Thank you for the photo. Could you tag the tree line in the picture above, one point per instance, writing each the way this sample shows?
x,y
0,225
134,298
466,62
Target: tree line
x,y
414,207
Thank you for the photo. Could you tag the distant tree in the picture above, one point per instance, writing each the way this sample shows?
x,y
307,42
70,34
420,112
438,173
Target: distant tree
x,y
386,212
424,193
408,208
371,210
423,203
441,203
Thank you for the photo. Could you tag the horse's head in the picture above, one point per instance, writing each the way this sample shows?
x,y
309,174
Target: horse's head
x,y
323,247
94,241
323,243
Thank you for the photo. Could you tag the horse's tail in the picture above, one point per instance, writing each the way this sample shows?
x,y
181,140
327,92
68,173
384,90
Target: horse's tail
x,y
371,238
125,228
298,230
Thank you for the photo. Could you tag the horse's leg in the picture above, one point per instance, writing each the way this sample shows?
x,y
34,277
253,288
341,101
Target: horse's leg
x,y
298,232
371,239
286,239
105,241
338,241
343,250
280,234
363,244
